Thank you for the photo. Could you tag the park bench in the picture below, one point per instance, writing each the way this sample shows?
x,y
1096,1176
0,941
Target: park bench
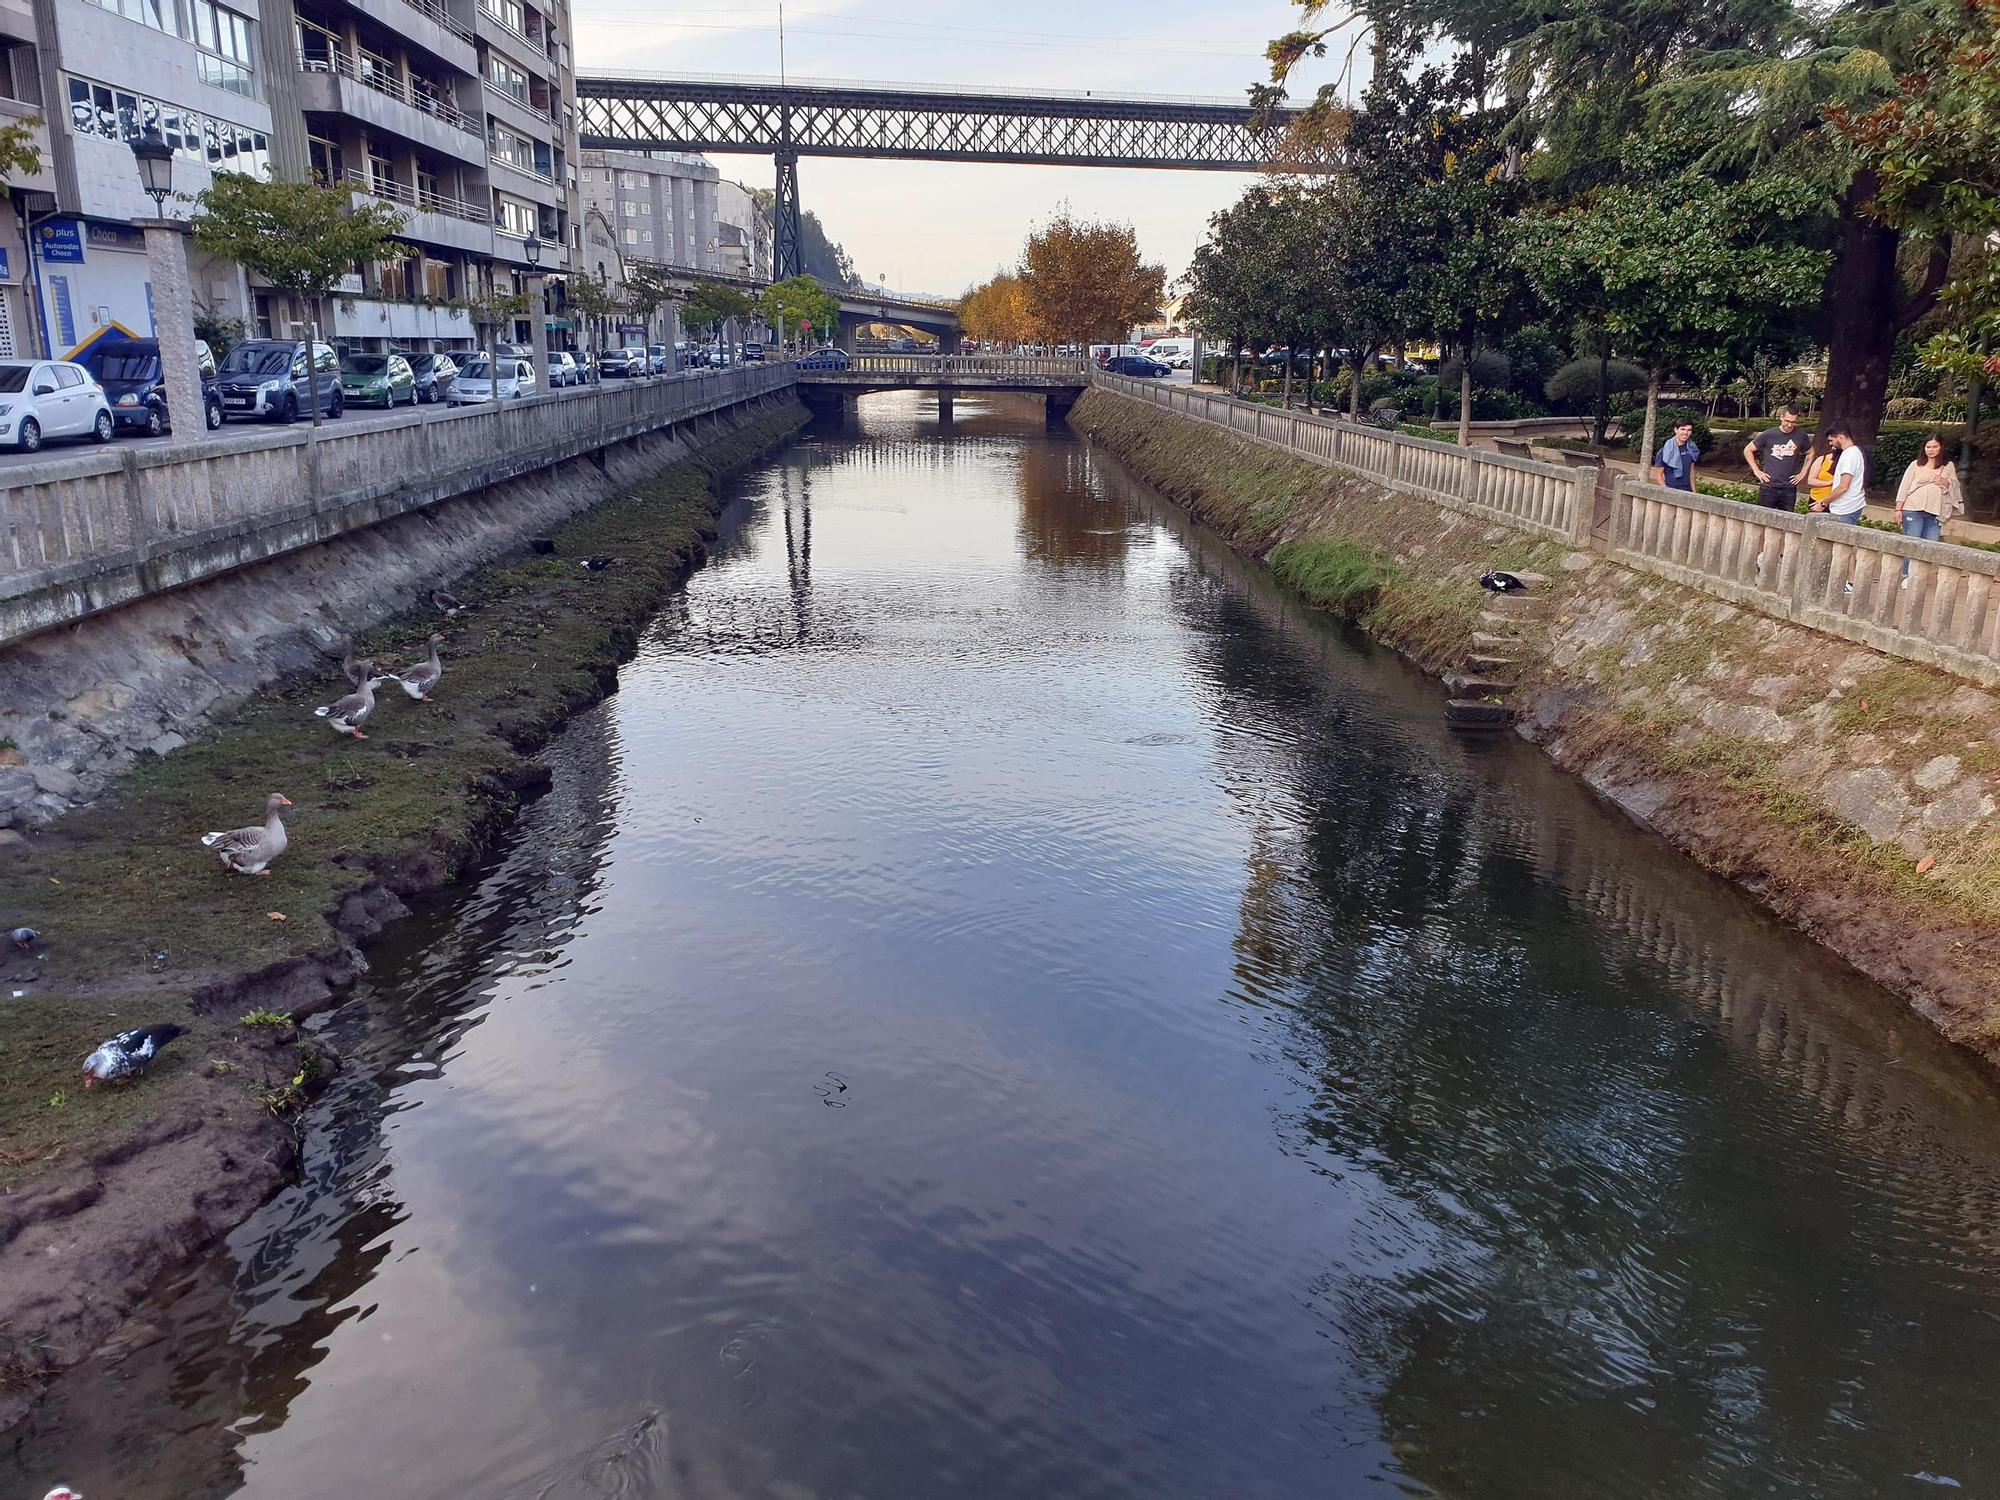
x,y
1513,447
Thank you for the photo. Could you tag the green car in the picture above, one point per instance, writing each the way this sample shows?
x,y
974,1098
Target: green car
x,y
377,380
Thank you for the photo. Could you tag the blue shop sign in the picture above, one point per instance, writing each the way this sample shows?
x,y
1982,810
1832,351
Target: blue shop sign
x,y
61,241
6,270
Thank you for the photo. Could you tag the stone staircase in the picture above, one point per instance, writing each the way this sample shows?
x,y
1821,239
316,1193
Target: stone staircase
x,y
1482,688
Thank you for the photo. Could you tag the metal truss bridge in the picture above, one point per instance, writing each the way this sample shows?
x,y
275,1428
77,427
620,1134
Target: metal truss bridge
x,y
886,121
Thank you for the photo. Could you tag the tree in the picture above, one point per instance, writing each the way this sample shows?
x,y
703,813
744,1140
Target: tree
x,y
1679,272
821,257
1083,280
299,236
1235,284
997,310
592,301
19,155
794,303
647,290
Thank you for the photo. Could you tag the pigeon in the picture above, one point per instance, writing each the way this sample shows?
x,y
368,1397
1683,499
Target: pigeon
x,y
24,938
249,851
126,1055
347,715
596,564
445,602
1503,583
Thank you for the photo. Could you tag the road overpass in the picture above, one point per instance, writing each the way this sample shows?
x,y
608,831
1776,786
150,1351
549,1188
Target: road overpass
x,y
858,305
1057,378
790,119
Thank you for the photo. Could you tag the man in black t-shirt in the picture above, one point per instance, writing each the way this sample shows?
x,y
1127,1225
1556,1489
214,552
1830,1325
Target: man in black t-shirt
x,y
1775,456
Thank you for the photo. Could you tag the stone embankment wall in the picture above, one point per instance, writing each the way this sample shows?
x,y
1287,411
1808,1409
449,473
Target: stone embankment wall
x,y
78,704
1853,792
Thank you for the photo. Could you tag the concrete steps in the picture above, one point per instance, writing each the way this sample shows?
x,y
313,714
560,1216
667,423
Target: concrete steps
x,y
1481,688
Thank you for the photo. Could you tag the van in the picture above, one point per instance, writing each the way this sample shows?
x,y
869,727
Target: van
x,y
1176,352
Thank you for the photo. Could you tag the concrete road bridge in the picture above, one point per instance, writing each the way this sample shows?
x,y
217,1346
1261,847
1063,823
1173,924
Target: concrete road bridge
x,y
859,306
786,120
832,393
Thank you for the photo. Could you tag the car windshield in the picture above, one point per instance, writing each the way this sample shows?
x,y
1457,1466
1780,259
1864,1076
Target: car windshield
x,y
248,359
478,369
13,379
131,365
367,364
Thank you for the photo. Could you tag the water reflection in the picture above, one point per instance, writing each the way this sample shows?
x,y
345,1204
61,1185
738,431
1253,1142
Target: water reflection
x,y
1244,1087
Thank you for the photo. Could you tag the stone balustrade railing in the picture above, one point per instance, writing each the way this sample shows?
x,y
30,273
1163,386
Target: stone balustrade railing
x,y
1845,580
1547,499
91,529
971,365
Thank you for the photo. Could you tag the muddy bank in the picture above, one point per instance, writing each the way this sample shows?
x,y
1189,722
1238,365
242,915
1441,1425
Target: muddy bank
x,y
102,1192
1853,793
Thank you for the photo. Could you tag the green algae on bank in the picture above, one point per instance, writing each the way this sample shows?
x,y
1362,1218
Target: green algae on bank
x,y
142,923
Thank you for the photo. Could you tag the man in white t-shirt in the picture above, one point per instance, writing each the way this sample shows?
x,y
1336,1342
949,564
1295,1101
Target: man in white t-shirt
x,y
1846,501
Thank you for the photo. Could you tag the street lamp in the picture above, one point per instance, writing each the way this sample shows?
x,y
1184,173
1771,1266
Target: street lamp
x,y
538,338
156,168
173,296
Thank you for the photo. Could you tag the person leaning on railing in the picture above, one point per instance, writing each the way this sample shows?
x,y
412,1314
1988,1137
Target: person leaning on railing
x,y
1928,496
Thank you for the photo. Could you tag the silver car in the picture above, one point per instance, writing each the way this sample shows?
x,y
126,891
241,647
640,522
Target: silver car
x,y
475,381
50,398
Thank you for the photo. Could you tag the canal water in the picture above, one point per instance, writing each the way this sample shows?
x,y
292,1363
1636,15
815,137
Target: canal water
x,y
1002,1003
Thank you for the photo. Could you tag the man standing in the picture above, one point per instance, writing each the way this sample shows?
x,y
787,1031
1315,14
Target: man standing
x,y
1777,456
1674,468
1846,502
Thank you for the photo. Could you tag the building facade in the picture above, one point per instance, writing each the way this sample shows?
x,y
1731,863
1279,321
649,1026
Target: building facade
x,y
661,207
459,113
743,230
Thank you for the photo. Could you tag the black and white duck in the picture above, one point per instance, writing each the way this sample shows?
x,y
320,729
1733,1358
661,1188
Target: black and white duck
x,y
125,1056
1503,583
249,851
418,680
347,715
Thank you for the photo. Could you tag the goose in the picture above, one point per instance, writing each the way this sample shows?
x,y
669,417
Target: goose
x,y
353,667
249,851
126,1055
445,602
347,715
418,680
1503,583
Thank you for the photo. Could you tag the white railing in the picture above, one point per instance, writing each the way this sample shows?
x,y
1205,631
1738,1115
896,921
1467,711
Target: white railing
x,y
442,17
1544,498
89,531
421,199
1842,579
320,51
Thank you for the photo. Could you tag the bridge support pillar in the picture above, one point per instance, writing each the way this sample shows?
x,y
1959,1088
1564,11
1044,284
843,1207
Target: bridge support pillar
x,y
1056,405
945,393
787,236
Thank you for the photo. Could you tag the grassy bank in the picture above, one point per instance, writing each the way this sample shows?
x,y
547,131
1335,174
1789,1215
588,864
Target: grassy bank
x,y
141,924
1856,794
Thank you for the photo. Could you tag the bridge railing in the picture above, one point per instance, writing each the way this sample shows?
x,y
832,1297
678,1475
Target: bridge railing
x,y
1545,498
969,364
88,530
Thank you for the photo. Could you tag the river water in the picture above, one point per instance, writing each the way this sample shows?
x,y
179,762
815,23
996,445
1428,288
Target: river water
x,y
1004,1004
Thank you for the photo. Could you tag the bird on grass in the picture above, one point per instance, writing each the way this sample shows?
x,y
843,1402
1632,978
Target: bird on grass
x,y
445,602
347,715
249,851
125,1056
354,668
24,938
596,564
1503,583
418,680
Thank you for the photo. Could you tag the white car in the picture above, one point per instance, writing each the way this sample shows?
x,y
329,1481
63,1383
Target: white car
x,y
50,398
475,381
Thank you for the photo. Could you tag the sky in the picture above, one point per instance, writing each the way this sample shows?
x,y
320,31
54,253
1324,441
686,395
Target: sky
x,y
941,227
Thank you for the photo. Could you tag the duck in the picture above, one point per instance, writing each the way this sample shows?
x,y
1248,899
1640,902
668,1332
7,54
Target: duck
x,y
347,715
353,667
249,851
418,680
1502,583
125,1056
596,564
445,602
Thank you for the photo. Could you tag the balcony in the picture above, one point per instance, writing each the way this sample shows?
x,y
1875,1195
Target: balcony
x,y
371,88
434,218
426,25
494,14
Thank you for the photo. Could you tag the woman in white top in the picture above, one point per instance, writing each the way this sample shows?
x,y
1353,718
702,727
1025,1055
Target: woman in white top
x,y
1928,496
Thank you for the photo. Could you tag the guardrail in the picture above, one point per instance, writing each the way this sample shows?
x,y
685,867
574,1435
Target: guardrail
x,y
969,364
92,530
1544,498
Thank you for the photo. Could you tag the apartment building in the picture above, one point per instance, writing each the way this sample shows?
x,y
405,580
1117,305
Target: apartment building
x,y
743,231
458,112
660,206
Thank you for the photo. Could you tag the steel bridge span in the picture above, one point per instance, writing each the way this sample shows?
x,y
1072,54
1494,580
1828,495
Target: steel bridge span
x,y
788,120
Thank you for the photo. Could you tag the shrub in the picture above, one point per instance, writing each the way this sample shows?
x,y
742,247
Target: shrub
x,y
1497,406
1633,422
1331,574
1574,386
1489,368
1896,451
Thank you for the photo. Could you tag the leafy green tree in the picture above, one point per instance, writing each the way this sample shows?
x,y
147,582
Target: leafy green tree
x,y
647,290
591,300
1236,281
301,237
19,155
799,301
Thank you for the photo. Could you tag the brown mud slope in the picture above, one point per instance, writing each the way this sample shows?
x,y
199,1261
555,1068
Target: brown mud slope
x,y
103,1191
1822,776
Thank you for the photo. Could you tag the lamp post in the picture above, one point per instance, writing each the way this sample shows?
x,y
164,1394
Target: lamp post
x,y
537,315
173,296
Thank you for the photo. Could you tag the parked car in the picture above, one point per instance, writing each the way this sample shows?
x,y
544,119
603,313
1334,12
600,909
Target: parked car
x,y
659,359
562,370
621,364
1177,354
586,365
267,380
433,374
475,380
136,386
692,356
1139,365
827,358
384,380
753,354
50,398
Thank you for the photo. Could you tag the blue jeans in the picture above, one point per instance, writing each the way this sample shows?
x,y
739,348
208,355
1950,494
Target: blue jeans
x,y
1922,525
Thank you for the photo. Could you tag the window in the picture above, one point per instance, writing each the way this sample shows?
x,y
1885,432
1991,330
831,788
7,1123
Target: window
x,y
68,375
507,12
118,116
157,14
631,236
224,39
646,207
628,179
506,78
513,215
